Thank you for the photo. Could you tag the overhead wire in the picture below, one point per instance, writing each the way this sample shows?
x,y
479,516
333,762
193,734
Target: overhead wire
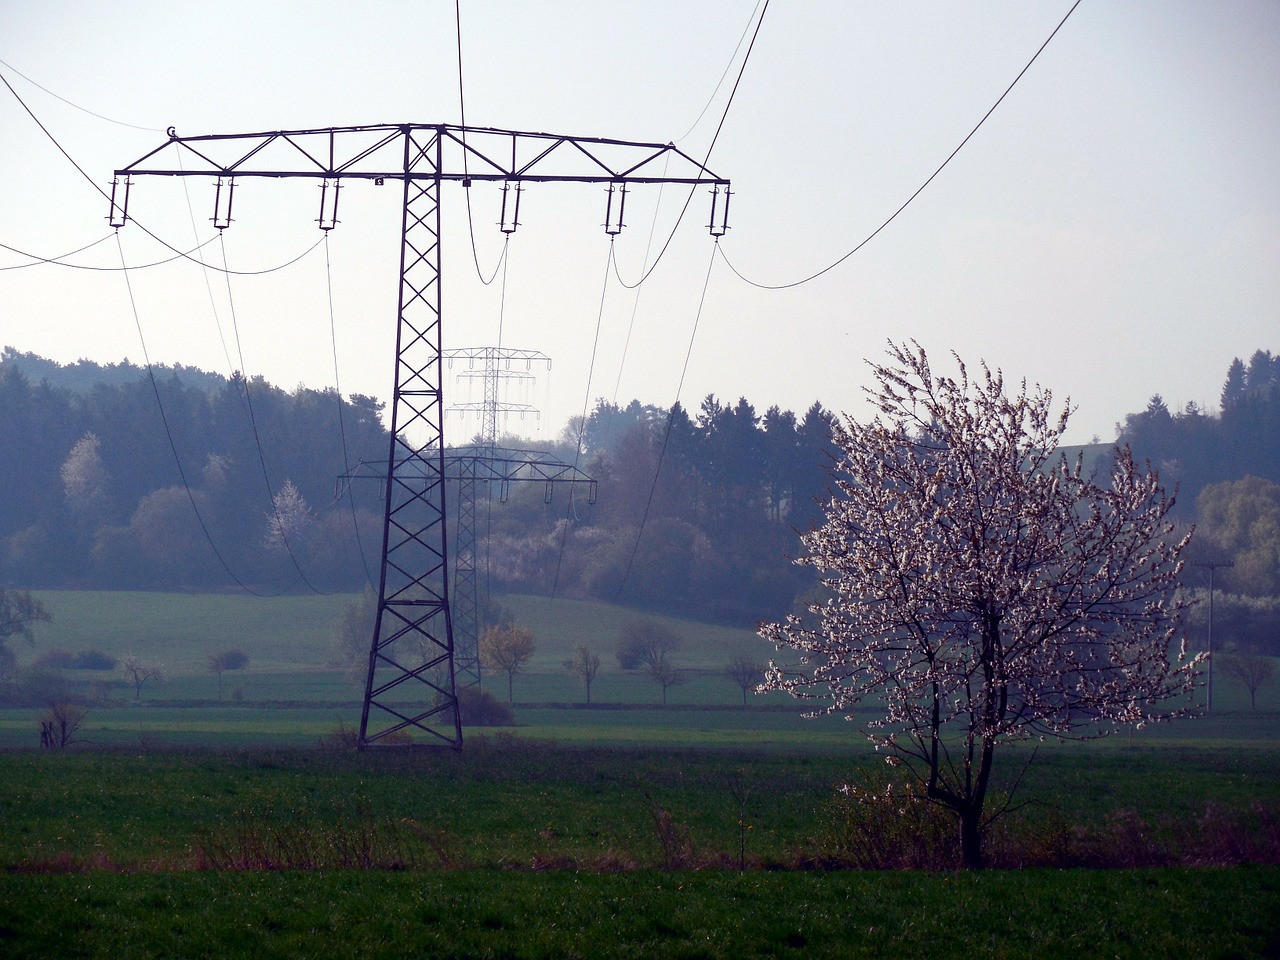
x,y
257,438
173,447
582,423
718,250
706,157
213,305
720,83
666,436
466,183
180,254
58,262
342,428
662,450
124,269
635,303
71,103
920,189
37,260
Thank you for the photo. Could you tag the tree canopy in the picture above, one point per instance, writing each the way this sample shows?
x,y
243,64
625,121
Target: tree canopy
x,y
984,590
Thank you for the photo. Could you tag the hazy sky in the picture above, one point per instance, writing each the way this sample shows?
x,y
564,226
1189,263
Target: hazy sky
x,y
1113,230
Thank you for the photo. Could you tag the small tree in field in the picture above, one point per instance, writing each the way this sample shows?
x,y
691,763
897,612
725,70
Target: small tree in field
x,y
746,672
139,672
645,643
226,660
983,588
665,674
584,664
507,649
19,613
1251,671
60,724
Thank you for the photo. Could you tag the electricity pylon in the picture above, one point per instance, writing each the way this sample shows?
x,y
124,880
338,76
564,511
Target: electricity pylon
x,y
410,688
469,467
494,367
491,365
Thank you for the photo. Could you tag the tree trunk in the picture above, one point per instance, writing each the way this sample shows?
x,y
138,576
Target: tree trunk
x,y
971,839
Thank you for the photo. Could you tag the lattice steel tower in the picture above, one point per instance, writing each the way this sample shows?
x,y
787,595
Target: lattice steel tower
x,y
410,687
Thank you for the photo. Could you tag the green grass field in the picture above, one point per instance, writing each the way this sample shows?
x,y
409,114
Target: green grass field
x,y
185,826
522,850
292,693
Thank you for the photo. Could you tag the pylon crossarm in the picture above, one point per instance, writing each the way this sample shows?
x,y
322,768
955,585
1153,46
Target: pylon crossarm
x,y
379,152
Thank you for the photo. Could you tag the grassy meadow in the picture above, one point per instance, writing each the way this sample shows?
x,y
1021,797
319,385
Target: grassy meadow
x,y
293,692
185,825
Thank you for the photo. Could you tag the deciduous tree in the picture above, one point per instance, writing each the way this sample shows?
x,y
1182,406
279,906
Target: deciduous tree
x,y
645,643
226,660
289,520
665,674
985,590
746,672
584,664
19,613
84,477
1251,671
507,648
354,632
139,672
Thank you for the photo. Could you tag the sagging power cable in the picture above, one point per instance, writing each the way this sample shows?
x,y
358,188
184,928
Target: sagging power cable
x,y
919,190
59,261
462,111
666,435
168,432
71,103
179,254
706,157
253,423
342,427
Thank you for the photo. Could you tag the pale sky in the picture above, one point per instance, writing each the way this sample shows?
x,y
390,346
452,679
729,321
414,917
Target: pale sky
x,y
1112,231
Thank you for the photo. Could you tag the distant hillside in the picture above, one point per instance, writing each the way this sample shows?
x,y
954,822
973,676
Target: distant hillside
x,y
83,375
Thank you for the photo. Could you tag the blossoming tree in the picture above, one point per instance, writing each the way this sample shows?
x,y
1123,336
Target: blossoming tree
x,y
983,588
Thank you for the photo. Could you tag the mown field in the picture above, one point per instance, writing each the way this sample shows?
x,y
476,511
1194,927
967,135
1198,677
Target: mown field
x,y
186,826
292,692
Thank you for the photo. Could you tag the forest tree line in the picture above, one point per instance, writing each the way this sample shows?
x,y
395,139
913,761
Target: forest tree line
x,y
198,481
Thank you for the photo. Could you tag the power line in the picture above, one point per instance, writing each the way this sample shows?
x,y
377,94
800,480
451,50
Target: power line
x,y
253,423
919,190
168,432
697,319
719,83
582,425
462,110
179,253
342,428
70,103
706,159
666,436
37,260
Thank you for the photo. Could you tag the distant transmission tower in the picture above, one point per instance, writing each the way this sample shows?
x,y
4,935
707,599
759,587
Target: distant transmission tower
x,y
493,365
410,691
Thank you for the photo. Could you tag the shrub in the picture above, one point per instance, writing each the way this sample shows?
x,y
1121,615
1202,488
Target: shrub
x,y
93,660
479,708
